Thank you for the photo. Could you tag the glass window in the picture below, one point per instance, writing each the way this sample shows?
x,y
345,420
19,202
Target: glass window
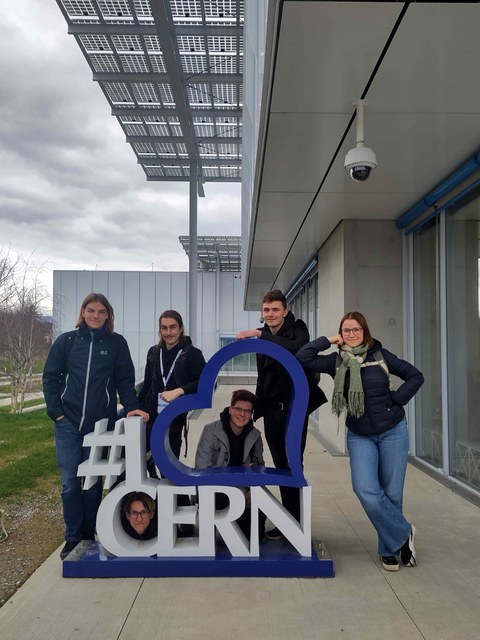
x,y
463,339
428,404
244,363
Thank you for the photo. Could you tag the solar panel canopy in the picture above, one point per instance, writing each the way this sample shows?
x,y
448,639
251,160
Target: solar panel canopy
x,y
171,71
216,253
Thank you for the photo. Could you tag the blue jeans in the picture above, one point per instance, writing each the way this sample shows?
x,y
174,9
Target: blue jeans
x,y
378,464
79,507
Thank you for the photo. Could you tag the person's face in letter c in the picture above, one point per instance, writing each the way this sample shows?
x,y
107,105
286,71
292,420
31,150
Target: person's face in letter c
x,y
139,516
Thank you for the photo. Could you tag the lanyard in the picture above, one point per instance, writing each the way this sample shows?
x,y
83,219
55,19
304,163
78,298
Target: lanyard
x,y
166,379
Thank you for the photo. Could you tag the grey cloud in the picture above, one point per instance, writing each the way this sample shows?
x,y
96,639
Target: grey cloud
x,y
70,187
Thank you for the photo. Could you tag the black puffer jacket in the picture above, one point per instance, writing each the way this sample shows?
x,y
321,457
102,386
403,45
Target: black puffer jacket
x,y
186,374
383,407
273,382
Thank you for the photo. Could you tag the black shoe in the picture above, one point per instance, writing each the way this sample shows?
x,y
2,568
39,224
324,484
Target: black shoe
x,y
274,534
68,548
407,552
390,563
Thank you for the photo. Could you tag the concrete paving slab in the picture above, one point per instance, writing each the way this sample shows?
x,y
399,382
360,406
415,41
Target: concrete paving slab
x,y
438,600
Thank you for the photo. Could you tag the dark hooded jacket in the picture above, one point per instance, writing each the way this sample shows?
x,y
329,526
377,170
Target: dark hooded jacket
x,y
383,406
81,382
274,384
186,374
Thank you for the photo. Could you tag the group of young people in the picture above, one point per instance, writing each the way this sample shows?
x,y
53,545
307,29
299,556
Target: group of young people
x,y
85,369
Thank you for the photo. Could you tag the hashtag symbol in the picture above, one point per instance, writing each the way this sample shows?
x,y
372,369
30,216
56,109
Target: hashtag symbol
x,y
96,466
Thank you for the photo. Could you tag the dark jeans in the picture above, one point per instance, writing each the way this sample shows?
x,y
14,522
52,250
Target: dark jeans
x,y
274,421
175,439
80,506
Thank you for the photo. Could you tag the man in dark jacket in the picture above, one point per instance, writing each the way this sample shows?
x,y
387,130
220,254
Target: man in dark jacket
x,y
172,370
82,375
274,388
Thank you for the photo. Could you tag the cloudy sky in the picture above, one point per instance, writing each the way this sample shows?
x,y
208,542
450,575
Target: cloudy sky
x,y
70,188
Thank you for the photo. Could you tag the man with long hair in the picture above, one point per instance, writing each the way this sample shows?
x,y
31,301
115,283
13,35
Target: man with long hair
x,y
82,375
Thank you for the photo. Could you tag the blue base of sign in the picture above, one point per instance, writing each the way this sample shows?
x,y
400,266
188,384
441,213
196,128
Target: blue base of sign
x,y
277,559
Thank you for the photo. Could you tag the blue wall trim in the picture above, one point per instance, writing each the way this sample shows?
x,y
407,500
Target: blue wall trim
x,y
441,190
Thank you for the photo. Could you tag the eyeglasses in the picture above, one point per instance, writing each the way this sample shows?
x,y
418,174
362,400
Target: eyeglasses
x,y
356,331
243,412
138,514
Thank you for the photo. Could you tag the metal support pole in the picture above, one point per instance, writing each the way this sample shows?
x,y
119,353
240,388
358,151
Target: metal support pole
x,y
217,296
193,251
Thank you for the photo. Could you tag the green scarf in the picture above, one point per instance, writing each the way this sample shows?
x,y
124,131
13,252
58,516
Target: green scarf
x,y
352,359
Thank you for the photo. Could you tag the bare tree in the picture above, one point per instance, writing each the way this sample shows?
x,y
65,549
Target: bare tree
x,y
22,333
8,268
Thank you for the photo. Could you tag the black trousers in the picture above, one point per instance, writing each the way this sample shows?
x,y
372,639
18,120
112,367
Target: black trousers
x,y
221,502
274,421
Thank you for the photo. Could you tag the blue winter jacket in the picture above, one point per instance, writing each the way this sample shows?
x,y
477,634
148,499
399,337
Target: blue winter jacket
x,y
81,380
383,406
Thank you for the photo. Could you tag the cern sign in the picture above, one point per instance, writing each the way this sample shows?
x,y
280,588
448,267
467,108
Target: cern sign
x,y
219,547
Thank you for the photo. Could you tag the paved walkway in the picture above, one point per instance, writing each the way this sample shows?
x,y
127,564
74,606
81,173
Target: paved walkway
x,y
7,400
438,600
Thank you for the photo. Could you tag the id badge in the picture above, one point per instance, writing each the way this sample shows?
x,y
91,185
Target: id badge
x,y
161,404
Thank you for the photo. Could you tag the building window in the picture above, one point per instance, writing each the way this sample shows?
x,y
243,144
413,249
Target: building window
x,y
246,363
463,339
428,404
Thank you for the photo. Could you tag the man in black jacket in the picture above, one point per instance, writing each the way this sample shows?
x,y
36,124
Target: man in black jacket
x,y
274,388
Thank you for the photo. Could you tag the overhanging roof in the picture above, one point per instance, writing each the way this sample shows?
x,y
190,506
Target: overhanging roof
x,y
222,253
172,73
415,63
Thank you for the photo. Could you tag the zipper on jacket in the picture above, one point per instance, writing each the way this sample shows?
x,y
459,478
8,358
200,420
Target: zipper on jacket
x,y
66,385
87,378
106,391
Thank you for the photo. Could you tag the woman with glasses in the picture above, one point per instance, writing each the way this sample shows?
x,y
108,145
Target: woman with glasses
x,y
233,441
138,516
377,436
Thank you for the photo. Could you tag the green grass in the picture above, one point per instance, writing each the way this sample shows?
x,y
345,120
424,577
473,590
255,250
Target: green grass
x,y
27,452
5,366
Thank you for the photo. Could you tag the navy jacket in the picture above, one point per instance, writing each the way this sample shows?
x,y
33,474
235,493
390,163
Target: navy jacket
x,y
84,389
383,407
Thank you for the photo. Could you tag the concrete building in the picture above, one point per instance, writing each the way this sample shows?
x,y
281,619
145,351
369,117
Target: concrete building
x,y
139,297
403,246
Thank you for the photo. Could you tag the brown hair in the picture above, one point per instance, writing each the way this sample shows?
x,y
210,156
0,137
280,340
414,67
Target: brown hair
x,y
146,500
275,296
173,315
360,318
97,297
243,394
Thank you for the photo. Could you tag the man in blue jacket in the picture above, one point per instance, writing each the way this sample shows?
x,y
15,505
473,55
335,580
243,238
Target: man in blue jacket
x,y
82,375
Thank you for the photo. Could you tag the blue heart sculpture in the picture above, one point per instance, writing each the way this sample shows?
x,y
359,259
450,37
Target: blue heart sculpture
x,y
182,475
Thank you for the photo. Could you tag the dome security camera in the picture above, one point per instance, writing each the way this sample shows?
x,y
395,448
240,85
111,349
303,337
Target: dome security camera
x,y
359,162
